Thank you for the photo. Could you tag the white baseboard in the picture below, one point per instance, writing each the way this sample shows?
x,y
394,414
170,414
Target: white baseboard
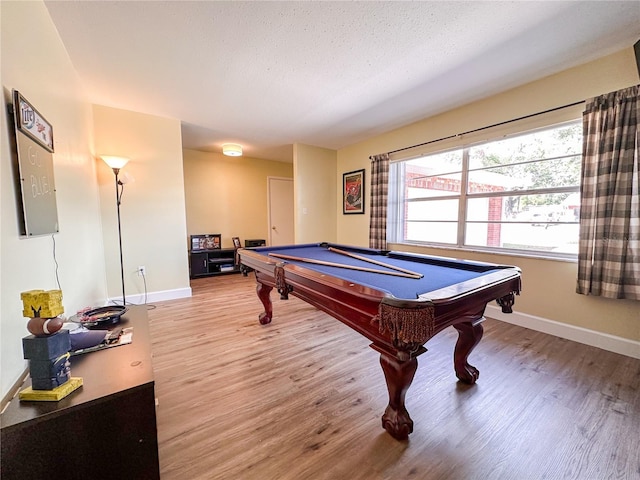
x,y
153,296
611,343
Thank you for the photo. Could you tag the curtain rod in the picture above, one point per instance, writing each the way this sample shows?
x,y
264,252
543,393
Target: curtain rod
x,y
489,126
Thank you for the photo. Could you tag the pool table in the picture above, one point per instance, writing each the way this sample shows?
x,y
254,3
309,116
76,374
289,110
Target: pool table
x,y
397,300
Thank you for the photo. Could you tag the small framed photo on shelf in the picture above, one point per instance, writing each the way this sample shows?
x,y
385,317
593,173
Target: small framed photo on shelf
x,y
210,241
353,192
236,242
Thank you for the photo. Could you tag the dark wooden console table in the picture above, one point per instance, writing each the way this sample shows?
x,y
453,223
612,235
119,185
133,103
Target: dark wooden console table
x,y
104,430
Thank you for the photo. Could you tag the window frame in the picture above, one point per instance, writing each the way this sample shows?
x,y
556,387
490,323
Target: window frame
x,y
396,208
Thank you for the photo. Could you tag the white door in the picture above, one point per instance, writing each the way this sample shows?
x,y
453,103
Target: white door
x,y
280,192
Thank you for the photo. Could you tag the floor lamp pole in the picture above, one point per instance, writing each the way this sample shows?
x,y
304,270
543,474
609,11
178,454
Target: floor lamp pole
x,y
118,197
116,163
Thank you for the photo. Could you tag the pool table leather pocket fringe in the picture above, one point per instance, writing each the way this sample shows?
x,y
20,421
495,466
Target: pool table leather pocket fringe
x,y
408,325
281,284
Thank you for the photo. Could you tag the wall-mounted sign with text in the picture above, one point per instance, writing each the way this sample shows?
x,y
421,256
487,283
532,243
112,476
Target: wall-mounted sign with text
x,y
30,121
34,146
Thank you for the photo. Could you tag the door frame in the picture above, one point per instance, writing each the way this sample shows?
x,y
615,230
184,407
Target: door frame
x,y
269,225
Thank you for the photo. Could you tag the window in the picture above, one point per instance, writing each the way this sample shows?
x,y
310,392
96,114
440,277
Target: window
x,y
517,194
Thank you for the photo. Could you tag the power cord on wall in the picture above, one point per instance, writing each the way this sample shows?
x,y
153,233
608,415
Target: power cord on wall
x,y
144,279
53,237
149,305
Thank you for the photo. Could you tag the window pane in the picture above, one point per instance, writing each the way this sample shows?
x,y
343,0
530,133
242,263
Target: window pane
x,y
547,223
439,232
556,238
557,172
433,210
556,142
446,162
434,186
551,208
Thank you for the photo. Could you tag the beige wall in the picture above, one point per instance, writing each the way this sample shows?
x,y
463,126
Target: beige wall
x,y
153,206
314,194
228,195
548,286
35,62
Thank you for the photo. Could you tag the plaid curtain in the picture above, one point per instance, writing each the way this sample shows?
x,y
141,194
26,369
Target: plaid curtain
x,y
609,248
379,190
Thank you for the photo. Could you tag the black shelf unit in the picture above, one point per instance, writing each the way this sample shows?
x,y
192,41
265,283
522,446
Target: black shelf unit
x,y
254,243
220,261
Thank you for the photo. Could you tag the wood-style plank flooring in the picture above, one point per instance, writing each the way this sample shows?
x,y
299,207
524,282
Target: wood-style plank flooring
x,y
302,399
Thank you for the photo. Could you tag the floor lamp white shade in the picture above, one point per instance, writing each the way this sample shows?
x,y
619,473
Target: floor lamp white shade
x,y
114,161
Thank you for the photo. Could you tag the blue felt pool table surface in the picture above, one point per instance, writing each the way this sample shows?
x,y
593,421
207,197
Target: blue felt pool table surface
x,y
438,272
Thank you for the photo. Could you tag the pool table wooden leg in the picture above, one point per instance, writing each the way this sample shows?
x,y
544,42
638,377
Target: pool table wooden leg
x,y
469,335
399,375
263,292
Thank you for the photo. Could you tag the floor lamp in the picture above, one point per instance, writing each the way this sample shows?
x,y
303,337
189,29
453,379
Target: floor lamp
x,y
116,163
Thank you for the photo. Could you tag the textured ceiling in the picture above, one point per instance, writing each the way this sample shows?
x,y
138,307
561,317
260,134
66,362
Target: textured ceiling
x,y
329,74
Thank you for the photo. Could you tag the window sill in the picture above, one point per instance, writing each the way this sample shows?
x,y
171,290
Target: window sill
x,y
514,254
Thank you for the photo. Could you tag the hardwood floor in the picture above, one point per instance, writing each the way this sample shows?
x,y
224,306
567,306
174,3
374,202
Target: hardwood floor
x,y
302,399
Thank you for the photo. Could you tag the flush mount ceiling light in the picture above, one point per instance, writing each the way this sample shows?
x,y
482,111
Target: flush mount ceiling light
x,y
232,149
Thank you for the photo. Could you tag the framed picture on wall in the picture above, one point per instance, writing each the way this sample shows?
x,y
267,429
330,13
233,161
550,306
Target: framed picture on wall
x,y
353,192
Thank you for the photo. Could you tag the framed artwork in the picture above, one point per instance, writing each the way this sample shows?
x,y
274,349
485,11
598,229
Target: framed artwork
x,y
353,192
210,241
236,242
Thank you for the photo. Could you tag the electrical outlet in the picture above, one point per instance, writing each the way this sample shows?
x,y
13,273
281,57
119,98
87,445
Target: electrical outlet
x,y
142,271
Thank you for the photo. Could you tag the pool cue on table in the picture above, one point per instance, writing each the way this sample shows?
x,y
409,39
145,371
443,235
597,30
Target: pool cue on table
x,y
382,264
342,265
